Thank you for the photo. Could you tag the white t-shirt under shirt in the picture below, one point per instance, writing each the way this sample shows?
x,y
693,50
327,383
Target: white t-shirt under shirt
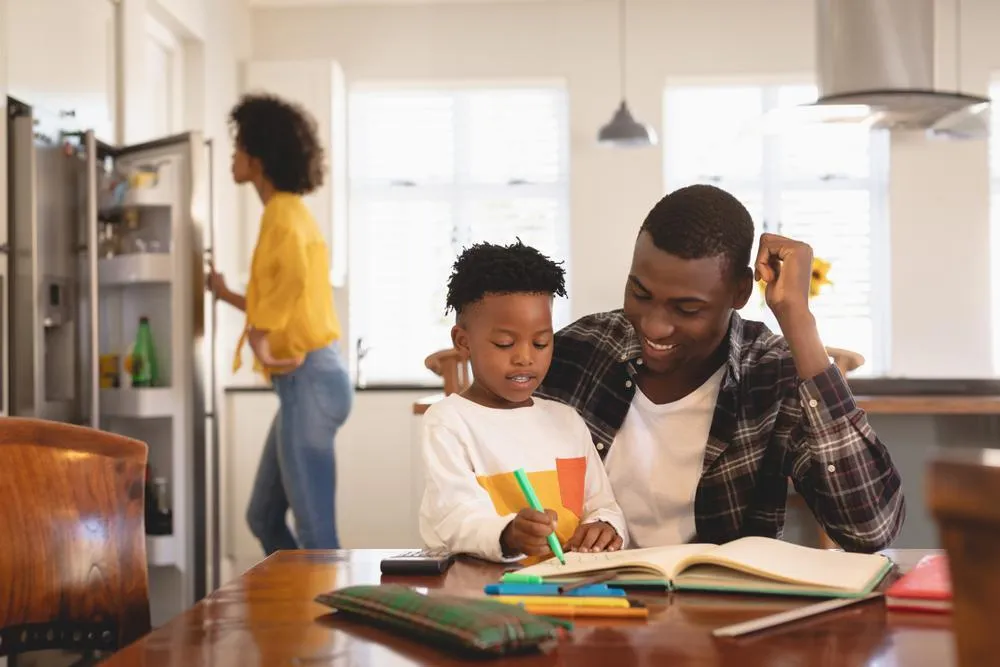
x,y
470,452
656,460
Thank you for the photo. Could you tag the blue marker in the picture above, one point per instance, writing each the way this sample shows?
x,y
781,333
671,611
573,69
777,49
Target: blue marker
x,y
596,590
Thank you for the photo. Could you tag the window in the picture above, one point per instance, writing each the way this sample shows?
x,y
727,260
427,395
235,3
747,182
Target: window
x,y
433,171
994,149
822,184
165,76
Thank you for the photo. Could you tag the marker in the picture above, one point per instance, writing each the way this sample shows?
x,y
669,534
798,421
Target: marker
x,y
518,578
599,590
565,601
592,612
529,494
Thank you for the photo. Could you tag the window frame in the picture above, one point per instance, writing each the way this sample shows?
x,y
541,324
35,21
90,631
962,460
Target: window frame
x,y
159,35
461,188
993,144
771,185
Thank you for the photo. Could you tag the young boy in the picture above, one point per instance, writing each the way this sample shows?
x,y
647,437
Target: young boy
x,y
473,441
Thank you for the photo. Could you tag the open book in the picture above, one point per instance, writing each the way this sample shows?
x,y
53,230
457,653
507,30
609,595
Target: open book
x,y
749,565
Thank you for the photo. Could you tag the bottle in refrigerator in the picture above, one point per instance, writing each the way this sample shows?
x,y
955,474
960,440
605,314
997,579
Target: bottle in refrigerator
x,y
159,516
143,358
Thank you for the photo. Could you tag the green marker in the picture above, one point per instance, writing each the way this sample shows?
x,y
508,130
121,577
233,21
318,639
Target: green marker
x,y
518,578
529,494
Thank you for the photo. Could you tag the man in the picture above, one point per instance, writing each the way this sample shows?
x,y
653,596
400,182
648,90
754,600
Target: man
x,y
701,417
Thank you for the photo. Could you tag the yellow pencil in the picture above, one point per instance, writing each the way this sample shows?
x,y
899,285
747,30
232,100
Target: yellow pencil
x,y
561,601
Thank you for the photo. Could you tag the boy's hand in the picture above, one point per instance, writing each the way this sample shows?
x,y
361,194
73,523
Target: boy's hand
x,y
594,536
527,533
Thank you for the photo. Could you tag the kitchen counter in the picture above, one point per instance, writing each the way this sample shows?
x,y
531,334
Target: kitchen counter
x,y
895,396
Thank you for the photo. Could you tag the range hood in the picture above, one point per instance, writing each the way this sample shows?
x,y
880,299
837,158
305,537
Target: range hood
x,y
875,61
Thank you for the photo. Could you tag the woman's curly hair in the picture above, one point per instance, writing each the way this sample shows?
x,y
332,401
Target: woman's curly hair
x,y
283,137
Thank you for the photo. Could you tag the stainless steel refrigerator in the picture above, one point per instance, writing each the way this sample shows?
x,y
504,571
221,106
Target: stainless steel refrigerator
x,y
101,238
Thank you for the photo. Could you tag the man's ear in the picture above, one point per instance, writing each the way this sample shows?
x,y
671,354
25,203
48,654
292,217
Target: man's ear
x,y
460,339
744,288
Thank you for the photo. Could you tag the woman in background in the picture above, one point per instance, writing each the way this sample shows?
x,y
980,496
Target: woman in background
x,y
291,326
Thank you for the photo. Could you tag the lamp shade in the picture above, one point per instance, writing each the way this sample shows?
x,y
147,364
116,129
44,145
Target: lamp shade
x,y
624,130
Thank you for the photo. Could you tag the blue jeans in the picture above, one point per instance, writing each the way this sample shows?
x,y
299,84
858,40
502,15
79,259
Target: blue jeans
x,y
297,467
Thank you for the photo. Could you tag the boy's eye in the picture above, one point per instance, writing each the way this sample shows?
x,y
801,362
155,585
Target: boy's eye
x,y
504,346
541,345
688,310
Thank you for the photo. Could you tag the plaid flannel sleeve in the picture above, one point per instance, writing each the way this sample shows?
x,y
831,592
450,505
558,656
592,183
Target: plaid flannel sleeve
x,y
841,468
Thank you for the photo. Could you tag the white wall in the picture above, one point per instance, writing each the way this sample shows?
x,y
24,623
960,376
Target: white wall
x,y
933,186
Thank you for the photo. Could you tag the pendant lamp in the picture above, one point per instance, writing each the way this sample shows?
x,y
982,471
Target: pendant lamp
x,y
623,130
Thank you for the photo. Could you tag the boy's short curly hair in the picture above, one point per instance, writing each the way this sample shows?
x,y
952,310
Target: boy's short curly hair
x,y
283,137
489,268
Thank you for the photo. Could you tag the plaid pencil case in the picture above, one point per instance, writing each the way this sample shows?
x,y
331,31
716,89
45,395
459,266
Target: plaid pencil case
x,y
465,625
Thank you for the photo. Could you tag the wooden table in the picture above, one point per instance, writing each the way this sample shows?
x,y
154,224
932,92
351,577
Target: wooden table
x,y
268,617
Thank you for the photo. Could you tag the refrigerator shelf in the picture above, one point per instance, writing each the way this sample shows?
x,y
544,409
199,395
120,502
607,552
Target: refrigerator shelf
x,y
161,550
148,402
135,268
116,213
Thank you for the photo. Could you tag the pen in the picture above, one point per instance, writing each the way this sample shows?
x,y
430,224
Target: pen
x,y
518,578
788,616
589,581
529,494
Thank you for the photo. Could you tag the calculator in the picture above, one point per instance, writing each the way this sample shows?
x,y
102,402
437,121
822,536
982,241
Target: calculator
x,y
422,562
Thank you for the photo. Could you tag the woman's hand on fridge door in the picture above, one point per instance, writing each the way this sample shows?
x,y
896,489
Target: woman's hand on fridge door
x,y
215,283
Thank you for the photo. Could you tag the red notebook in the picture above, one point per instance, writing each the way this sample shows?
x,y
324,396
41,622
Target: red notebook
x,y
927,587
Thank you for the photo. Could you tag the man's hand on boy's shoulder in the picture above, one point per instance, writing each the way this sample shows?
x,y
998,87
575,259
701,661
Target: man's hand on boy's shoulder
x,y
527,533
594,536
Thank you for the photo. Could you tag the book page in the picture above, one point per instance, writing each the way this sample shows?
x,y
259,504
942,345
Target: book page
x,y
662,560
793,563
701,577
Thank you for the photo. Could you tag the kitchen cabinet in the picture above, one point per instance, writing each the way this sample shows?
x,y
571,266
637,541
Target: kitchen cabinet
x,y
379,471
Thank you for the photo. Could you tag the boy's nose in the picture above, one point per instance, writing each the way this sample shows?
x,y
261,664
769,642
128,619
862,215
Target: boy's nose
x,y
522,358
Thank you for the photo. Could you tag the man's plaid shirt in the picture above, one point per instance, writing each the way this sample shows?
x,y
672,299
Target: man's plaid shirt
x,y
769,425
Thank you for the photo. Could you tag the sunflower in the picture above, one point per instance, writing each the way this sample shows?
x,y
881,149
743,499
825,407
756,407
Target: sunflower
x,y
820,271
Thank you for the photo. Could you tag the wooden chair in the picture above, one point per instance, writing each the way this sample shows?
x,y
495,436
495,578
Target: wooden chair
x,y
74,577
963,495
845,360
453,367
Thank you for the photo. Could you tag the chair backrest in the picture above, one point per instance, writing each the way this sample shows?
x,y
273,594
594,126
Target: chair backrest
x,y
453,367
73,571
845,360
